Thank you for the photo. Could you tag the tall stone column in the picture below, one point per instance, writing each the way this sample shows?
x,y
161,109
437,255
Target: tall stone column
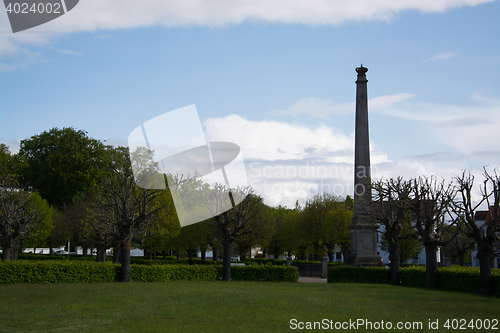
x,y
363,229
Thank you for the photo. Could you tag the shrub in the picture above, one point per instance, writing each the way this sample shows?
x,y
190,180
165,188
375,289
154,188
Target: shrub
x,y
351,274
161,273
412,276
57,271
88,271
264,273
182,261
456,278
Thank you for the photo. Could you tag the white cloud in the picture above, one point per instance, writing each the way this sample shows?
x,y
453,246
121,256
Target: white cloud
x,y
468,129
91,15
317,108
273,140
24,58
13,145
323,108
105,36
66,51
442,56
288,162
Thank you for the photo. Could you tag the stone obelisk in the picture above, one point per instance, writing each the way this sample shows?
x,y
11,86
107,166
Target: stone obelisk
x,y
363,229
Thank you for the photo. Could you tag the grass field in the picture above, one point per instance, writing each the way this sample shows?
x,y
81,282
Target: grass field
x,y
191,306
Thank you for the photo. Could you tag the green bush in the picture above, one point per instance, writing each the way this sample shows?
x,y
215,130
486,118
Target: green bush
x,y
57,271
161,273
282,262
351,274
456,278
47,271
412,276
182,261
264,261
264,273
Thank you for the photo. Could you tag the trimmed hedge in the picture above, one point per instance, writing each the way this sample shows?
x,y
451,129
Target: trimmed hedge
x,y
412,276
351,274
264,273
456,278
57,271
48,271
182,261
162,273
282,262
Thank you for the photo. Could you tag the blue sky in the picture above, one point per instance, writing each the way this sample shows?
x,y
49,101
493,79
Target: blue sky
x,y
276,77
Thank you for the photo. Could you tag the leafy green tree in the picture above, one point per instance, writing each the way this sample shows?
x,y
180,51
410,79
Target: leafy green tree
x,y
62,231
5,159
262,234
318,229
290,233
38,236
278,214
336,230
62,163
163,228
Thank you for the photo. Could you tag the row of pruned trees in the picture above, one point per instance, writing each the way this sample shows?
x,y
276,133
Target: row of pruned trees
x,y
442,214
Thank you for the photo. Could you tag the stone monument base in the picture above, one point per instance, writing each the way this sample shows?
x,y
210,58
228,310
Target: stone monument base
x,y
363,246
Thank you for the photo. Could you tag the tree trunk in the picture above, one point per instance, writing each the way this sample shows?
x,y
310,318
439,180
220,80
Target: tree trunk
x,y
486,284
15,253
461,259
203,253
85,250
125,262
34,250
431,265
7,253
214,254
190,256
226,259
101,253
116,255
345,252
51,251
164,254
394,253
244,251
331,254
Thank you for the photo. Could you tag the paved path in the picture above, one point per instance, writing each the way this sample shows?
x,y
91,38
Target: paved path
x,y
304,279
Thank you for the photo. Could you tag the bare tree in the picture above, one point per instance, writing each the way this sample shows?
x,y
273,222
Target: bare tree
x,y
21,213
390,207
128,208
459,243
486,237
234,223
430,203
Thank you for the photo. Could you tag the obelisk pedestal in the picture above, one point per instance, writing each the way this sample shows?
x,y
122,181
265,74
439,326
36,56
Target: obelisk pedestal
x,y
363,228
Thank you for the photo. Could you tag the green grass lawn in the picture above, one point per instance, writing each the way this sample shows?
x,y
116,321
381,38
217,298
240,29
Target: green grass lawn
x,y
191,306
